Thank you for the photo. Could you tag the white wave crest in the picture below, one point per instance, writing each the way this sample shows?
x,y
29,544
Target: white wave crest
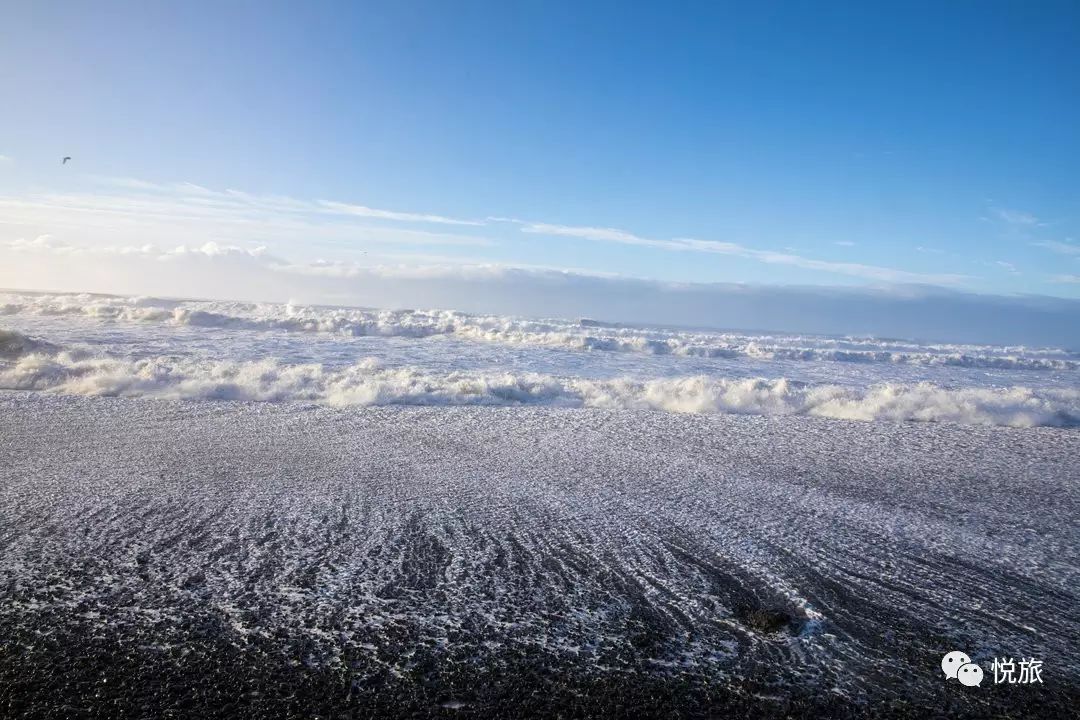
x,y
367,383
585,335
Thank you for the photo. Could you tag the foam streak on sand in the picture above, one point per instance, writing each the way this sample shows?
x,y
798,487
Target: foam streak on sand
x,y
36,367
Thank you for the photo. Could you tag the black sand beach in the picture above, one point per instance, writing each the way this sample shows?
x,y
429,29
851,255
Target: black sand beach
x,y
218,559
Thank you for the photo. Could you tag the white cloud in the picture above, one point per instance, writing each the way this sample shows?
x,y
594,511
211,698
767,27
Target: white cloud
x,y
146,185
47,244
1062,248
1066,279
872,272
240,199
844,243
7,160
1016,217
596,233
361,211
1008,266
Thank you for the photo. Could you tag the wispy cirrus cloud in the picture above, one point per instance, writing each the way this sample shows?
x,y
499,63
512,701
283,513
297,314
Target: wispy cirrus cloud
x,y
871,272
132,212
362,211
1066,279
1016,217
1062,248
230,197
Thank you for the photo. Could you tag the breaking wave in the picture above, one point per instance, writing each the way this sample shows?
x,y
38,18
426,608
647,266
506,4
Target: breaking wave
x,y
584,335
369,383
15,345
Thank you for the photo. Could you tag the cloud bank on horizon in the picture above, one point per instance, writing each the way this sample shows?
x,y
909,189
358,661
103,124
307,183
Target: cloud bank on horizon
x,y
212,270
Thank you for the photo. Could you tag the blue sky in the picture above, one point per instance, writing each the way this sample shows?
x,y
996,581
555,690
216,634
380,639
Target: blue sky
x,y
786,144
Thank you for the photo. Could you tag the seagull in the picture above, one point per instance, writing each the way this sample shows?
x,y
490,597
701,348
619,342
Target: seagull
x,y
64,161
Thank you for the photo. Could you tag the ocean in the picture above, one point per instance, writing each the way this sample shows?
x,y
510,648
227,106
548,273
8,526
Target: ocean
x,y
152,347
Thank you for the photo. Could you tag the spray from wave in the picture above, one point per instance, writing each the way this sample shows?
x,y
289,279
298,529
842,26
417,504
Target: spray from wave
x,y
584,335
38,367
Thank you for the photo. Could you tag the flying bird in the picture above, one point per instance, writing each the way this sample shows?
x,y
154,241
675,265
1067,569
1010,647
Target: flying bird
x,y
64,161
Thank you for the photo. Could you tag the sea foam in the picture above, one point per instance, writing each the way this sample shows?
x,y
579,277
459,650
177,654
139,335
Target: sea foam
x,y
583,336
369,383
